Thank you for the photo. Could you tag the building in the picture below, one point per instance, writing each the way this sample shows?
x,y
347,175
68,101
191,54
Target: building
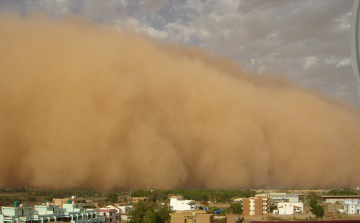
x,y
352,206
178,204
283,197
74,213
137,199
265,203
191,218
331,208
257,205
339,199
110,214
289,208
252,206
59,201
122,211
124,208
234,218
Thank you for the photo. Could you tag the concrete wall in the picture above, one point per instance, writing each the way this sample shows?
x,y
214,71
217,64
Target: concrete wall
x,y
189,218
204,218
60,201
332,208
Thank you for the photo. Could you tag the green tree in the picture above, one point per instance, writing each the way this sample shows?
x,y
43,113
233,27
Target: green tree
x,y
236,208
162,197
152,197
137,215
313,202
314,195
112,196
150,216
31,199
318,210
163,214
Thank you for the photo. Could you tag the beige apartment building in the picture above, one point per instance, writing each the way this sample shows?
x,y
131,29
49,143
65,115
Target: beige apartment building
x,y
256,205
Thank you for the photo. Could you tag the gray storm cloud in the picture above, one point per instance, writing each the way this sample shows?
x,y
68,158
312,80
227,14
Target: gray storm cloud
x,y
84,105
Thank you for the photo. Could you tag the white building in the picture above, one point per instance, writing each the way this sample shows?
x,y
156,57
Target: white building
x,y
124,209
74,213
290,208
352,206
110,214
178,204
283,197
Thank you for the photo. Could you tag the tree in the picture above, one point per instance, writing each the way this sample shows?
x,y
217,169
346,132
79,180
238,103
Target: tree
x,y
137,215
150,216
112,196
163,214
31,199
314,195
144,212
162,197
236,208
313,202
152,197
205,203
318,210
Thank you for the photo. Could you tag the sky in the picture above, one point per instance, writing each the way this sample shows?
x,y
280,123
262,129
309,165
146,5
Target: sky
x,y
308,42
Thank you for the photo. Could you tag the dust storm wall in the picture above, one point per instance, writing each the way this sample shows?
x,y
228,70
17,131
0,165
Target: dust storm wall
x,y
85,105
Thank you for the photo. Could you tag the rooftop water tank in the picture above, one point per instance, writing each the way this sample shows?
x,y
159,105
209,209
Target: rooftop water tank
x,y
16,204
68,201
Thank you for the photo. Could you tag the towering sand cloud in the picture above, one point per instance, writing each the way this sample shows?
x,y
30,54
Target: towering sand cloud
x,y
84,105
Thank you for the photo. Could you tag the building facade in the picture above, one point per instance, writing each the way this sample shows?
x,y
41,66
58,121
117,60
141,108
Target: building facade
x,y
178,204
288,208
110,214
352,206
333,208
74,213
252,206
192,218
283,197
339,199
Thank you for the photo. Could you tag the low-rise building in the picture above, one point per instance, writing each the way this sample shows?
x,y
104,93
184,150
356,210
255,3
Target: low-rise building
x,y
331,208
136,199
178,204
340,199
110,214
124,208
289,208
283,197
191,218
74,213
352,206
